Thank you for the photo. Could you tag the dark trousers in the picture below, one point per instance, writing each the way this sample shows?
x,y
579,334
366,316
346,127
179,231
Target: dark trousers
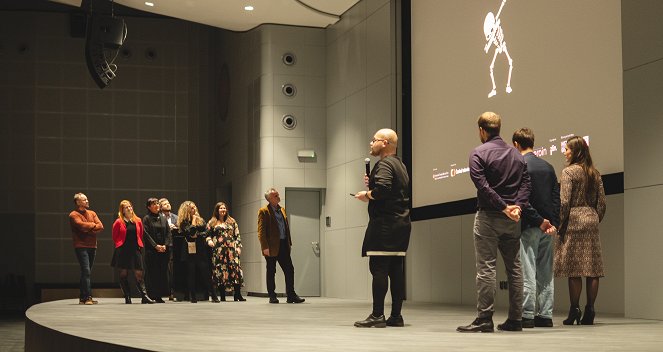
x,y
385,269
85,258
492,231
198,267
285,262
156,273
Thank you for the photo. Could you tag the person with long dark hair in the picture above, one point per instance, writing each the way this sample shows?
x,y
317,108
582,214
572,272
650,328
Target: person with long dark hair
x,y
157,251
226,268
194,252
578,253
128,238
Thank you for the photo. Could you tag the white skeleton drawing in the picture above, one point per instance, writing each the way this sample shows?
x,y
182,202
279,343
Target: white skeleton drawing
x,y
495,36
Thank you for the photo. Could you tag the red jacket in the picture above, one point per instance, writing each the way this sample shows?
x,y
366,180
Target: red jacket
x,y
120,232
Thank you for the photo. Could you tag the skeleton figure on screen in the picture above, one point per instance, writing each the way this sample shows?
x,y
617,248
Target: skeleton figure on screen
x,y
492,29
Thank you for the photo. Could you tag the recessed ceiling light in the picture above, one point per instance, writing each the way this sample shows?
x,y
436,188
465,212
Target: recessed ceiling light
x,y
248,8
149,3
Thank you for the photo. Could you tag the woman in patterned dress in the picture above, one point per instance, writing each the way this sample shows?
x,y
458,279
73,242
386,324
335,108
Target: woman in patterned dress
x,y
224,234
578,253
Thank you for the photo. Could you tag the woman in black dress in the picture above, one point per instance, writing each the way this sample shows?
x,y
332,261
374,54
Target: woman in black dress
x,y
128,238
195,252
158,241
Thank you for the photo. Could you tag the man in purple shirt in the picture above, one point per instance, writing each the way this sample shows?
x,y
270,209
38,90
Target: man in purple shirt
x,y
499,173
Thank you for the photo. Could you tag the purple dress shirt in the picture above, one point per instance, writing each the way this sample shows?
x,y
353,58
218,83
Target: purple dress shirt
x,y
500,175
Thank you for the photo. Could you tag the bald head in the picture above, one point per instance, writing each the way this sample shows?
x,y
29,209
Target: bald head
x,y
384,143
389,135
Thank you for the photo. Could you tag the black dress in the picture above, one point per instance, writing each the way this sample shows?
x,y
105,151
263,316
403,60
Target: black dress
x,y
198,263
157,232
128,255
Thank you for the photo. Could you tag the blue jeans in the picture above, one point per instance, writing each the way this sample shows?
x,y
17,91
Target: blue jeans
x,y
85,258
536,255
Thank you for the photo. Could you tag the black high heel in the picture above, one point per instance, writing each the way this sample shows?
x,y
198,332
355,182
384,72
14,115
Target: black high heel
x,y
588,318
574,316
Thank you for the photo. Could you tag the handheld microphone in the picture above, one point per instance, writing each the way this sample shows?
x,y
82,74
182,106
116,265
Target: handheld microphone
x,y
367,163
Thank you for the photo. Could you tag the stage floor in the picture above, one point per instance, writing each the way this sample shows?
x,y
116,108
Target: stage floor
x,y
319,324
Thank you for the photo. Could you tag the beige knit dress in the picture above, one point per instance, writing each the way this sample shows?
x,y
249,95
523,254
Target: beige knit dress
x,y
578,251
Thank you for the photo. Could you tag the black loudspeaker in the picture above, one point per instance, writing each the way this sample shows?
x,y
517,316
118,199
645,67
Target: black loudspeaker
x,y
104,34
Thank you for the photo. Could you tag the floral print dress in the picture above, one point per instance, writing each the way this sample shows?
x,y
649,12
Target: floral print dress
x,y
227,270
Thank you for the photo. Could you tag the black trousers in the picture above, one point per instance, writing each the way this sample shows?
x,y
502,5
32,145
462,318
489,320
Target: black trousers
x,y
198,268
285,262
385,269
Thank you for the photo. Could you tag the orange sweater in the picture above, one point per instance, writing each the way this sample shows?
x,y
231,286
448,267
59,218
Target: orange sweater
x,y
85,226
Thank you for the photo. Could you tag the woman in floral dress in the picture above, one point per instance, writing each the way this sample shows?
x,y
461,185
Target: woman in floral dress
x,y
224,234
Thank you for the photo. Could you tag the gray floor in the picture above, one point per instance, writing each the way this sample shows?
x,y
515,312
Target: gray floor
x,y
12,330
325,324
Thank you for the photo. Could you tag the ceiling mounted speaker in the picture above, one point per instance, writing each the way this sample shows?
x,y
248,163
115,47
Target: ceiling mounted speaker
x,y
105,36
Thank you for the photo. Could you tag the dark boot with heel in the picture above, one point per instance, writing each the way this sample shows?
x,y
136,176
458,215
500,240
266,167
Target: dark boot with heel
x,y
124,285
145,299
574,316
238,294
588,318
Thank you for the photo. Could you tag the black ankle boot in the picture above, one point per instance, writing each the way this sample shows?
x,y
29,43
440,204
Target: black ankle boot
x,y
588,318
238,293
574,316
222,293
145,299
215,299
124,285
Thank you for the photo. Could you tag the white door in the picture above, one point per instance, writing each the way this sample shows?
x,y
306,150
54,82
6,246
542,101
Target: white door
x,y
304,209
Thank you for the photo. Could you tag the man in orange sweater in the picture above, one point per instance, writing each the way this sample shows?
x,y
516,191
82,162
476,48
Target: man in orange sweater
x,y
85,226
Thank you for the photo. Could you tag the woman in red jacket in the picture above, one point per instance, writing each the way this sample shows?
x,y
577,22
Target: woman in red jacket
x,y
128,238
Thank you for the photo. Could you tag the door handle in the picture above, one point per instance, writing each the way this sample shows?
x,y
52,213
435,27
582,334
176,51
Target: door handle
x,y
315,246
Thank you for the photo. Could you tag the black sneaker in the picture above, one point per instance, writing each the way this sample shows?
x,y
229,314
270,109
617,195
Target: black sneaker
x,y
396,321
372,322
528,323
273,300
478,325
510,325
541,322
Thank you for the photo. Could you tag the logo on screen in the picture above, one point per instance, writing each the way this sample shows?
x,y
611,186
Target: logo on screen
x,y
492,29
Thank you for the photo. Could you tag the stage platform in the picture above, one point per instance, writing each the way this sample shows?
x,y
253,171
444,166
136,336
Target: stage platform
x,y
319,324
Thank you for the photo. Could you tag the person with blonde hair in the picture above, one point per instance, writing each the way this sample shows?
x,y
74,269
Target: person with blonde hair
x,y
128,238
194,253
224,236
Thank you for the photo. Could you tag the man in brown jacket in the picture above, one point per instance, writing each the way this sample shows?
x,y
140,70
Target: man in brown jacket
x,y
85,226
275,242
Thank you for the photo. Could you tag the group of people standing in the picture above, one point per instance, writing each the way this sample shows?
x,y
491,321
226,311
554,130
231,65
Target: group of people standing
x,y
513,185
521,210
146,248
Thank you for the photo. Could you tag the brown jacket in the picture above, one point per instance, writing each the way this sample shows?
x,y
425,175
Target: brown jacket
x,y
85,226
268,230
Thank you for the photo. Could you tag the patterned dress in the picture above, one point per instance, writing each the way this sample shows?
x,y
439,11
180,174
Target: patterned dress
x,y
227,270
578,252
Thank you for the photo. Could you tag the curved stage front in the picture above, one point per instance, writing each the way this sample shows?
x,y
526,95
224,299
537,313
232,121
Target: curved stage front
x,y
319,324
